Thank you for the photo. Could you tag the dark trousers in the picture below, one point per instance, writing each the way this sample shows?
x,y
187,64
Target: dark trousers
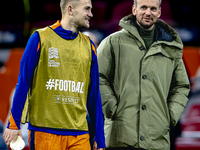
x,y
124,148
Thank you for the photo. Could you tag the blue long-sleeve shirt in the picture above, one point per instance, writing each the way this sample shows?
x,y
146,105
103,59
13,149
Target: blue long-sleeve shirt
x,y
28,64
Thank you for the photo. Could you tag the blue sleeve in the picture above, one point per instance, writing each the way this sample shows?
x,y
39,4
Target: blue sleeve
x,y
94,104
28,64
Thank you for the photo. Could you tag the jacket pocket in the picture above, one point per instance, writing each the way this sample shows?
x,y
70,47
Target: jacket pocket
x,y
111,132
114,111
166,138
162,142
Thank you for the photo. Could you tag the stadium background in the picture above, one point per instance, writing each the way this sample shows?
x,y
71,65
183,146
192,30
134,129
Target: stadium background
x,y
19,18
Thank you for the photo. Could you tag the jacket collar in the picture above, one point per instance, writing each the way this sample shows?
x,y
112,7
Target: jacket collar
x,y
164,33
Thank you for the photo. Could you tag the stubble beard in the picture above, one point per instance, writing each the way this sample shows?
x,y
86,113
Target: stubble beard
x,y
78,23
82,25
144,25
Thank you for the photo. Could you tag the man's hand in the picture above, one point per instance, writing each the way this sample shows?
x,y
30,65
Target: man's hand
x,y
10,135
95,146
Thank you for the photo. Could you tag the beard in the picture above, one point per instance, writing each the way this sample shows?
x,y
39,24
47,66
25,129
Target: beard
x,y
145,25
81,24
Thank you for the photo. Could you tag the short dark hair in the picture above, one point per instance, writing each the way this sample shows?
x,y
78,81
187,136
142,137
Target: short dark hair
x,y
135,3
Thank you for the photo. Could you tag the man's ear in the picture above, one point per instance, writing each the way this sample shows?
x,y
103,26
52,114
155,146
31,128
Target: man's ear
x,y
159,13
70,10
134,10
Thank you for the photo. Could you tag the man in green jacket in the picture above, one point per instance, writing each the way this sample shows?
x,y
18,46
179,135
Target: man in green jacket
x,y
143,81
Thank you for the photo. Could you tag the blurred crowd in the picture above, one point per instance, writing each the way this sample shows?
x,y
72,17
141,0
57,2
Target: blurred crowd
x,y
20,18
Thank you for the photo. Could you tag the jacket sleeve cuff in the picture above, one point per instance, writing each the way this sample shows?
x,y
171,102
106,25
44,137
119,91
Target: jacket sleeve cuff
x,y
175,111
110,109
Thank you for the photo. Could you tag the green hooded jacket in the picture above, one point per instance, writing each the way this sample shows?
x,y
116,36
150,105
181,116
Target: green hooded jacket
x,y
142,91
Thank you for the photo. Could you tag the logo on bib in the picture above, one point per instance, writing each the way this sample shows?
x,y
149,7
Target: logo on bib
x,y
53,54
70,100
65,85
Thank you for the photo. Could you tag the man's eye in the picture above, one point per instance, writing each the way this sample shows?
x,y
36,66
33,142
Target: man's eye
x,y
87,8
153,9
143,7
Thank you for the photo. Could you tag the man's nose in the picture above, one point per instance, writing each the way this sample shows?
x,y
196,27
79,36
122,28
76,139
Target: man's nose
x,y
90,14
148,11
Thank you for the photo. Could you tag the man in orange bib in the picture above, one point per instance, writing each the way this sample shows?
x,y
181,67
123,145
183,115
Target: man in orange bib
x,y
59,71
